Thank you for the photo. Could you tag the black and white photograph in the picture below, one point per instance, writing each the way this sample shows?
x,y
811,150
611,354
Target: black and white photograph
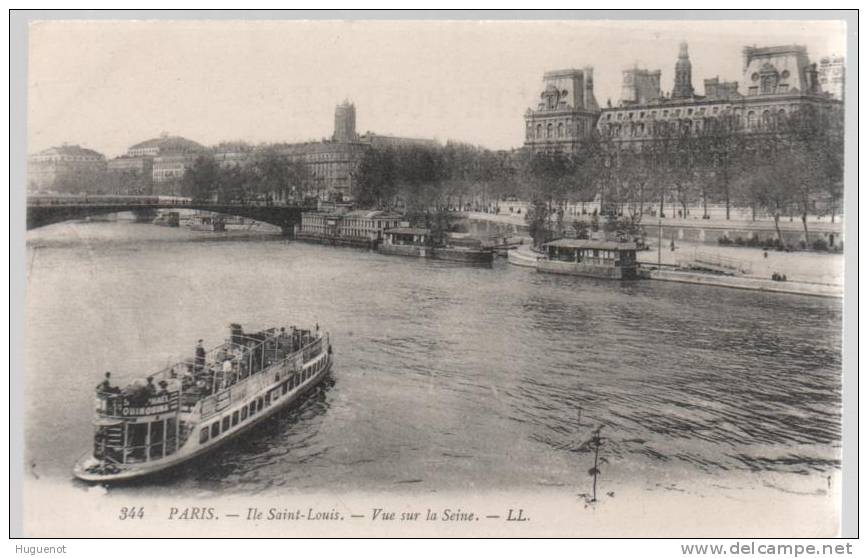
x,y
432,277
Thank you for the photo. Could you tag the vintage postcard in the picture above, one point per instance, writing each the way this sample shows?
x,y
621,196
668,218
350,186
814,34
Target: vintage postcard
x,y
576,277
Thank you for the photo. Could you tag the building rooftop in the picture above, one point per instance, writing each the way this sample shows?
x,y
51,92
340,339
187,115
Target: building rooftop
x,y
776,49
71,151
370,214
566,72
169,144
408,230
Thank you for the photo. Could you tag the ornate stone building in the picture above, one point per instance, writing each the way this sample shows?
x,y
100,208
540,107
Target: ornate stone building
x,y
566,113
831,72
683,88
345,123
63,168
776,80
162,160
333,164
639,87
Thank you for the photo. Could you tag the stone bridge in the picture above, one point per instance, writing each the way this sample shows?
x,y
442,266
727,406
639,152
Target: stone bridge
x,y
45,212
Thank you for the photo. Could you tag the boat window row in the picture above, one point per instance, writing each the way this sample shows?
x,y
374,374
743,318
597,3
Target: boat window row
x,y
591,255
228,422
136,442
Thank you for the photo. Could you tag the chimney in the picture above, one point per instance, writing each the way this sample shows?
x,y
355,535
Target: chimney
x,y
588,84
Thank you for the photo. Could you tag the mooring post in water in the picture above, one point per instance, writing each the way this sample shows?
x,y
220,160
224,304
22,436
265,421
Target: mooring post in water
x,y
594,471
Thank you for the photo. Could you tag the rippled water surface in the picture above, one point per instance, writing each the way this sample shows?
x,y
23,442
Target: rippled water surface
x,y
446,377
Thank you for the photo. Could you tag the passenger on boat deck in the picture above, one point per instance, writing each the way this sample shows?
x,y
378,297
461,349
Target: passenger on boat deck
x,y
228,376
163,391
150,386
200,355
106,386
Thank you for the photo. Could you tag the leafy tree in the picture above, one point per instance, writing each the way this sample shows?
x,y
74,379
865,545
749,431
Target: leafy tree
x,y
768,185
725,145
814,142
376,178
270,172
201,179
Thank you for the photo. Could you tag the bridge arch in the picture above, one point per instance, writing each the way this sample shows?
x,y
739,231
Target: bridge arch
x,y
43,214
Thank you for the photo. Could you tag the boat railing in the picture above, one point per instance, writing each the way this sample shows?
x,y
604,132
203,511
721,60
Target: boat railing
x,y
226,397
184,391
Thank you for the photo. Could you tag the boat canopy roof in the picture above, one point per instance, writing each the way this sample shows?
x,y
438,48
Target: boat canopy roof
x,y
371,214
407,230
591,244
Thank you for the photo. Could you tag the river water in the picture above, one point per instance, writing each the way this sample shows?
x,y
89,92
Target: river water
x,y
446,377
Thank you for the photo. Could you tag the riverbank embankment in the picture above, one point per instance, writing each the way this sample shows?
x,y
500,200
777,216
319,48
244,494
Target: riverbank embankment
x,y
807,273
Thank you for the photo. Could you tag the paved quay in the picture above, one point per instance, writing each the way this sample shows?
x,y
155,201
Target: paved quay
x,y
808,273
815,223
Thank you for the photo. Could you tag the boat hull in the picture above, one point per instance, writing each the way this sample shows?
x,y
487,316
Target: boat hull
x,y
355,242
186,455
464,255
585,270
449,254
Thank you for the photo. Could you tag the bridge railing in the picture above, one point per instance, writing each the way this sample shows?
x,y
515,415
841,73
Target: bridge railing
x,y
41,201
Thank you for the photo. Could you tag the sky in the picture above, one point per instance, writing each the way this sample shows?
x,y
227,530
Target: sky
x,y
107,85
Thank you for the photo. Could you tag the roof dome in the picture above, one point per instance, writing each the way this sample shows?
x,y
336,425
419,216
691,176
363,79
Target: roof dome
x,y
70,151
169,144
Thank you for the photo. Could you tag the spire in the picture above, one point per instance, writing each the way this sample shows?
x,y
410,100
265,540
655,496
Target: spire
x,y
683,88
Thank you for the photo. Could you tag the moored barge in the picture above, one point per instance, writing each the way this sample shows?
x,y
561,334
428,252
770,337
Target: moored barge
x,y
194,406
412,241
591,258
360,228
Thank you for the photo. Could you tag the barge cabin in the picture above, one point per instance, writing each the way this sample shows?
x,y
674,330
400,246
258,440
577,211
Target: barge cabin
x,y
409,241
592,258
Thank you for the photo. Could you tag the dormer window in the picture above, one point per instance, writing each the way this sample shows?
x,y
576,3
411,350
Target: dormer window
x,y
768,79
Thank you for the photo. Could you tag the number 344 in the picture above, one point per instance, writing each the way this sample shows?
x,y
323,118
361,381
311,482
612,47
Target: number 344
x,y
132,513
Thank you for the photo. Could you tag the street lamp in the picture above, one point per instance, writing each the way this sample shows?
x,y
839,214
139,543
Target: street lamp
x,y
659,240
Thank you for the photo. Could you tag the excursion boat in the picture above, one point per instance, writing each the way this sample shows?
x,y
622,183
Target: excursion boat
x,y
168,219
209,223
193,406
592,258
412,241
